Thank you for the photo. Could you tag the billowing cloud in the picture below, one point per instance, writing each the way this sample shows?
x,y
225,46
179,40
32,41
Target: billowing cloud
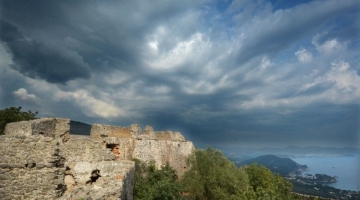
x,y
276,31
343,84
304,56
91,106
22,94
328,47
344,77
256,73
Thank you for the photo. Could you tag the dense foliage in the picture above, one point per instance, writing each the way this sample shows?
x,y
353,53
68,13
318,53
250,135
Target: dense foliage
x,y
14,114
211,176
266,185
152,183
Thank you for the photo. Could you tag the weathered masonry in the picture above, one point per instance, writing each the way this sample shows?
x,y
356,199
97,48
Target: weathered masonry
x,y
41,159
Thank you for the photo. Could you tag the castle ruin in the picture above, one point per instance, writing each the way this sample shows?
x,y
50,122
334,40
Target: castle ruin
x,y
42,159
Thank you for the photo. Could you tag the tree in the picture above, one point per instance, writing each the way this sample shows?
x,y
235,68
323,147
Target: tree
x,y
14,114
213,176
266,185
157,184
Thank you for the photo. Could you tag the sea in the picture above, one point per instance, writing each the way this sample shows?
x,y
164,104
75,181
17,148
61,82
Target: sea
x,y
345,168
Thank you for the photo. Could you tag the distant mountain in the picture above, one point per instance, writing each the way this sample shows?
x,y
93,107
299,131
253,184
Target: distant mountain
x,y
313,151
283,166
290,151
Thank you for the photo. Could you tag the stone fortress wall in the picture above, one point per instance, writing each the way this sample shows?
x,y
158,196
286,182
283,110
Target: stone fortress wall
x,y
41,159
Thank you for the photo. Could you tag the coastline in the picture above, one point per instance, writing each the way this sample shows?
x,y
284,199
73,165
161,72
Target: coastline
x,y
346,169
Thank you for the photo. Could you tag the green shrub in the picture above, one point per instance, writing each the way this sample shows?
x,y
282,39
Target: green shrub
x,y
14,114
157,184
213,176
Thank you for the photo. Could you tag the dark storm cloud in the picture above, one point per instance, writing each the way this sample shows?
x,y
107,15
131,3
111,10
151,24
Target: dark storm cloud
x,y
66,40
33,59
221,73
100,36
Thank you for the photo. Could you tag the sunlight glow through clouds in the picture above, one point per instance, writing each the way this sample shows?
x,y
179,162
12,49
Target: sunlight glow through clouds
x,y
91,106
183,52
154,46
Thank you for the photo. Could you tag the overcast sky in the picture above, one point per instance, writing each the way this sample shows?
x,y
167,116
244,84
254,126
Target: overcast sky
x,y
224,73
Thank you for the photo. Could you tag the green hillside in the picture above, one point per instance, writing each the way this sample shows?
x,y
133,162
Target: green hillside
x,y
282,166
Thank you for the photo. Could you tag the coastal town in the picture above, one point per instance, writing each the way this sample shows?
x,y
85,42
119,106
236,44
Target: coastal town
x,y
317,185
313,179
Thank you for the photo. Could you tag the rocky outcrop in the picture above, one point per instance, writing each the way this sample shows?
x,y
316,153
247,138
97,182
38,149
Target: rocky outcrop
x,y
41,159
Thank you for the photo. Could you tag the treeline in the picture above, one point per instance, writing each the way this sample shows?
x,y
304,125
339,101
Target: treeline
x,y
211,176
14,114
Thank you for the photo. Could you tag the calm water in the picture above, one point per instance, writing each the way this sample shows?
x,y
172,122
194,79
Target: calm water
x,y
347,169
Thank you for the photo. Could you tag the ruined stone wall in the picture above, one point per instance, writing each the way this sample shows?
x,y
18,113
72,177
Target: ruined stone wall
x,y
100,131
30,164
41,160
132,142
100,180
28,167
163,151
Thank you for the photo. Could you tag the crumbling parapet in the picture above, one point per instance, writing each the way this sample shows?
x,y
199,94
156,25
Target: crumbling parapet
x,y
99,131
134,131
147,145
56,128
150,134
